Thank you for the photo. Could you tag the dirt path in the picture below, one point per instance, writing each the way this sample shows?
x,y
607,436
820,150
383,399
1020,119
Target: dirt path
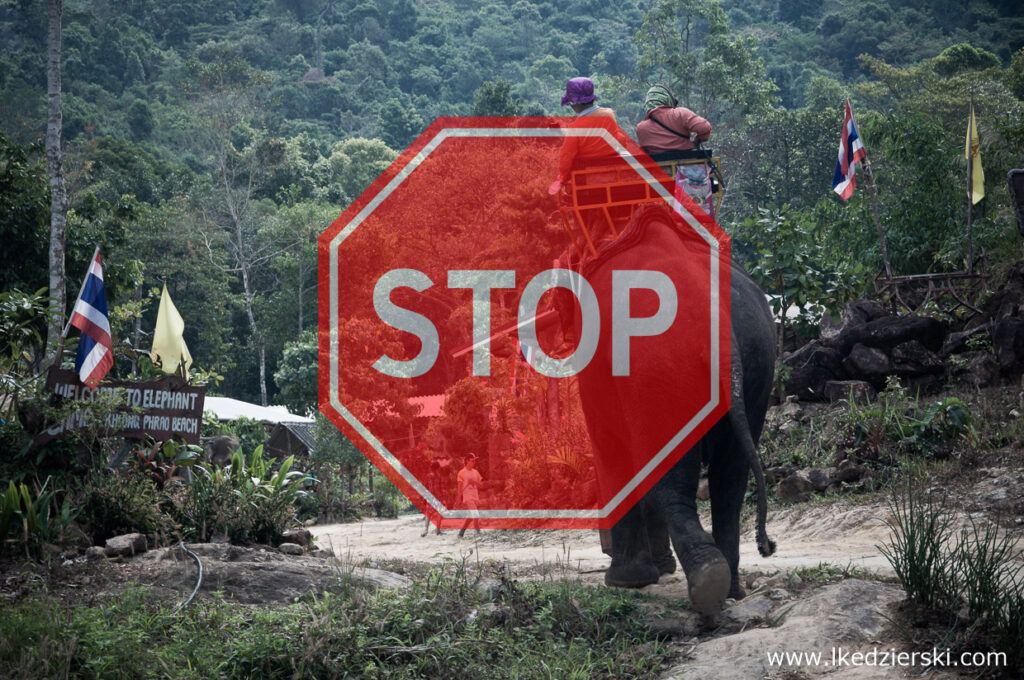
x,y
851,614
806,536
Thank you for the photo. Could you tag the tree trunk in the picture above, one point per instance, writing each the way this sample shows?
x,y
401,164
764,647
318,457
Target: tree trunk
x,y
260,345
58,193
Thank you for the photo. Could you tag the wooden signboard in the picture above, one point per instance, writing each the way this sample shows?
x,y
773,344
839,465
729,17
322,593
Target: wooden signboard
x,y
161,409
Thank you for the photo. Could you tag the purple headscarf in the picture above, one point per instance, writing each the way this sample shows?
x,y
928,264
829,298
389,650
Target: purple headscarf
x,y
578,91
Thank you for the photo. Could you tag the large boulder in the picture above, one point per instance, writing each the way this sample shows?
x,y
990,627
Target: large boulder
x,y
856,313
913,359
1008,344
126,545
867,363
860,390
888,331
810,368
1009,299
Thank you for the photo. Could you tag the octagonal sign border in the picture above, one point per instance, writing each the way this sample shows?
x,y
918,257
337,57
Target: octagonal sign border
x,y
328,246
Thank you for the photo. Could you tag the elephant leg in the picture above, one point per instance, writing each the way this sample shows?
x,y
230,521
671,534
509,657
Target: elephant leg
x,y
707,572
661,545
727,485
632,566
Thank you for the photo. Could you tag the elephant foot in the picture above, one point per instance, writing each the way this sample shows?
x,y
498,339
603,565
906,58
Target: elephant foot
x,y
661,548
665,563
736,591
631,573
709,584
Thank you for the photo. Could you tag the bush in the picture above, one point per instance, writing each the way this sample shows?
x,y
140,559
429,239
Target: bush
x,y
971,571
248,500
34,518
113,504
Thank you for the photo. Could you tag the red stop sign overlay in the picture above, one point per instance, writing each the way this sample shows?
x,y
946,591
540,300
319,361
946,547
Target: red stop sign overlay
x,y
512,354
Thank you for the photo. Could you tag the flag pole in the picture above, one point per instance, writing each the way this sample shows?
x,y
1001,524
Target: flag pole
x,y
970,189
873,190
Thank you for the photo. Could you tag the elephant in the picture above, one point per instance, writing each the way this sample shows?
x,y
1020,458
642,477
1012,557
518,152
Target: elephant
x,y
638,416
218,448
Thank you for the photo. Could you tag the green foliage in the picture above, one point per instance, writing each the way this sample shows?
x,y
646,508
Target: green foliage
x,y
163,461
249,500
22,323
464,424
24,215
788,263
494,98
686,44
35,516
250,433
896,420
296,375
112,504
919,550
970,572
442,626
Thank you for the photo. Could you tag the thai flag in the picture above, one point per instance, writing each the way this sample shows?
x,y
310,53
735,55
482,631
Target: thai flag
x,y
95,351
851,150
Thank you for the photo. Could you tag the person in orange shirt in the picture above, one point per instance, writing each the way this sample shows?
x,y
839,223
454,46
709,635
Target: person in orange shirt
x,y
470,481
579,94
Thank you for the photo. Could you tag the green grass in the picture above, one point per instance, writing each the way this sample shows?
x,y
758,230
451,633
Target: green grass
x,y
445,625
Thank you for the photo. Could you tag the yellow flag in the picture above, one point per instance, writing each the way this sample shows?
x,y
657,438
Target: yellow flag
x,y
973,154
169,348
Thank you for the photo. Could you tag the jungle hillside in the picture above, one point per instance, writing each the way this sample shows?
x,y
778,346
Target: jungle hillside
x,y
207,144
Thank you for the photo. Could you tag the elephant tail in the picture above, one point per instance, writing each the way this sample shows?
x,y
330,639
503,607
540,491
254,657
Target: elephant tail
x,y
741,429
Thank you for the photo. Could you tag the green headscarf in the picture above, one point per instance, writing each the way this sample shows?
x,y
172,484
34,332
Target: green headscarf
x,y
658,95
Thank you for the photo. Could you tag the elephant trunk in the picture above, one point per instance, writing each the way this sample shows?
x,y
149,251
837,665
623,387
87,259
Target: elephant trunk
x,y
741,428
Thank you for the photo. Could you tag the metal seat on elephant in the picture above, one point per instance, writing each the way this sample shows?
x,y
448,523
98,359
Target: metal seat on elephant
x,y
605,192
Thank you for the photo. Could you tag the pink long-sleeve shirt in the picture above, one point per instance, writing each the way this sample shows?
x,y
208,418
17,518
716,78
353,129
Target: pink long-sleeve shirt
x,y
654,138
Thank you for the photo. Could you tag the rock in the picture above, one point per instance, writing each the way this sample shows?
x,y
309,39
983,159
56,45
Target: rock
x,y
95,552
773,475
291,549
1008,344
848,471
856,313
1009,299
888,331
750,610
298,535
252,576
848,614
820,479
50,551
126,545
810,367
912,358
796,488
956,342
861,391
980,371
778,594
868,363
702,490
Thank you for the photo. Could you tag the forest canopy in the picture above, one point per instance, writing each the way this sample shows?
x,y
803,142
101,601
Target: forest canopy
x,y
209,143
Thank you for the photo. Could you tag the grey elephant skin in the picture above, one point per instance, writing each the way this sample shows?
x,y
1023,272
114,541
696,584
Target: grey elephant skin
x,y
218,449
642,415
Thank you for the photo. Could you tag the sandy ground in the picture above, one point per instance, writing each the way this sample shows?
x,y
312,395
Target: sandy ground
x,y
806,536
